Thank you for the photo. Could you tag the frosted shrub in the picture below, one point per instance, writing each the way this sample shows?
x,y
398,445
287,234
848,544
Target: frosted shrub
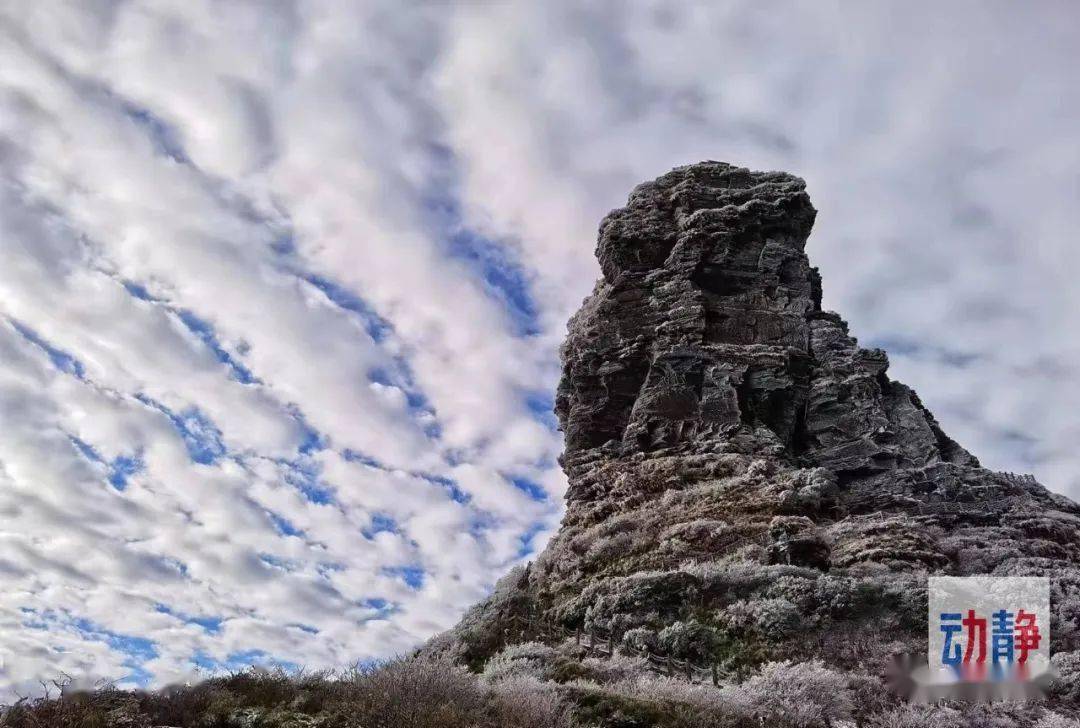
x,y
685,704
525,702
760,470
1067,683
606,536
730,581
687,640
835,595
528,659
738,617
619,523
917,716
701,530
801,592
1053,720
641,639
436,694
869,693
1003,714
701,535
606,549
418,693
803,694
580,543
771,619
911,600
620,601
982,558
842,596
616,669
611,613
1065,608
605,614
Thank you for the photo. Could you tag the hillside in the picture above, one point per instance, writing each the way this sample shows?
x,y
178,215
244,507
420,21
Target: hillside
x,y
747,484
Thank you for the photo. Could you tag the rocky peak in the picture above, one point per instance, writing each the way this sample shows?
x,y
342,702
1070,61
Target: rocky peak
x,y
706,335
746,482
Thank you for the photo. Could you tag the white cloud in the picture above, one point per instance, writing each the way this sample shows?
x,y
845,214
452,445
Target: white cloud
x,y
282,282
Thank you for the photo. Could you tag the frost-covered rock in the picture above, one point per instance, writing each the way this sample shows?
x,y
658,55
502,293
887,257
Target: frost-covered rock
x,y
746,483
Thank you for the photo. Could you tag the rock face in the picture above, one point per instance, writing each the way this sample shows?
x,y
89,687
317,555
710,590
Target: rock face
x,y
706,335
741,470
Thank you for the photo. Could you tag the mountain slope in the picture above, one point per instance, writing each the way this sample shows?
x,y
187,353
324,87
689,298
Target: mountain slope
x,y
746,483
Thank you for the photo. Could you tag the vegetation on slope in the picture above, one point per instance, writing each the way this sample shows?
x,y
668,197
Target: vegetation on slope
x,y
527,685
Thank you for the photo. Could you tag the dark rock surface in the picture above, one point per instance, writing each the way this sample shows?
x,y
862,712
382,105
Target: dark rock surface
x,y
739,465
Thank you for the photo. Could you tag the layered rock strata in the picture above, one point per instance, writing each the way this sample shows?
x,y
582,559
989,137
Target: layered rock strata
x,y
746,482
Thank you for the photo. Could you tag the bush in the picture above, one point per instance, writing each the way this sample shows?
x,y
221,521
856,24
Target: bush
x,y
803,593
836,596
631,601
917,716
658,702
615,669
771,619
641,639
870,694
528,659
1067,683
1053,720
689,639
416,693
413,693
723,582
802,694
606,550
598,693
525,702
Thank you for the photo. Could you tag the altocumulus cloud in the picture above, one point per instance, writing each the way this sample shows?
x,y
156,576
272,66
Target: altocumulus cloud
x,y
282,282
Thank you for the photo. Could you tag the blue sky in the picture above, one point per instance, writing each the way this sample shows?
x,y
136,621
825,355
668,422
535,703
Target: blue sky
x,y
283,283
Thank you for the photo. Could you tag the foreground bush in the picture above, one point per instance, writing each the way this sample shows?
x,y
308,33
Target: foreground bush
x,y
397,694
529,685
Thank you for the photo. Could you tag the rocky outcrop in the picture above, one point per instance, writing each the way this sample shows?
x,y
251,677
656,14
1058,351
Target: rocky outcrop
x,y
706,335
739,464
